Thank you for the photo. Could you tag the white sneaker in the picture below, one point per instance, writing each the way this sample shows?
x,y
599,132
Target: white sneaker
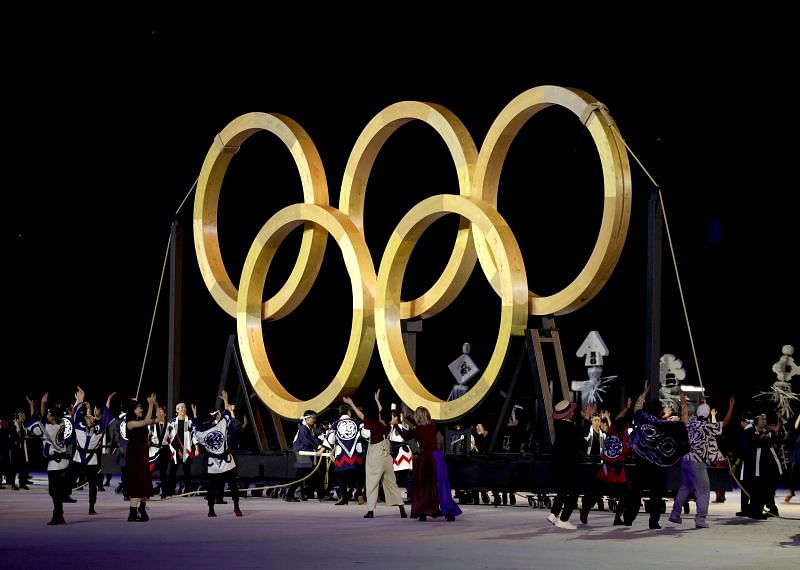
x,y
551,518
565,524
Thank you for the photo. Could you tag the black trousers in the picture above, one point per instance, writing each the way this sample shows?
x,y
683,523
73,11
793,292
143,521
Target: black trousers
x,y
567,498
347,483
186,466
651,480
58,488
18,467
91,473
216,487
309,486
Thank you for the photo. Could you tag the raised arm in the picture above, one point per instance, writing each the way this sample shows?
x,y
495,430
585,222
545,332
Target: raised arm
x,y
729,413
684,409
378,401
110,397
43,406
640,400
623,412
349,401
31,405
148,418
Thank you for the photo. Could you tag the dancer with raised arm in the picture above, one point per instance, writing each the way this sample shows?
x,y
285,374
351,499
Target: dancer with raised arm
x,y
221,464
138,480
55,434
380,464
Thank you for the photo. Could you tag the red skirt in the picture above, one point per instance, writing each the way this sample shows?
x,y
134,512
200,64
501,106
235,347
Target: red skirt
x,y
138,480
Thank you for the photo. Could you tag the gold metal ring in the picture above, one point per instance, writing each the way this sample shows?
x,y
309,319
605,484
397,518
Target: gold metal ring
x,y
462,149
482,235
616,189
206,238
511,282
248,318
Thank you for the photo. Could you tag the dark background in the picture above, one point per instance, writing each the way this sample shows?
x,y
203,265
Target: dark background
x,y
107,130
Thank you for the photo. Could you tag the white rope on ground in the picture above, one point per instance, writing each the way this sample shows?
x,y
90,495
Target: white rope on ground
x,y
266,487
153,318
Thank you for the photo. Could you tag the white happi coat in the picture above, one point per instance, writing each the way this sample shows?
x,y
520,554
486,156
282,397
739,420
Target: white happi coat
x,y
215,440
55,438
89,440
182,440
155,445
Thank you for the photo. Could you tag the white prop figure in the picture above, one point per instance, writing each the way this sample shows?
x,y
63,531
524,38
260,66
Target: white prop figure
x,y
671,372
593,350
781,394
463,370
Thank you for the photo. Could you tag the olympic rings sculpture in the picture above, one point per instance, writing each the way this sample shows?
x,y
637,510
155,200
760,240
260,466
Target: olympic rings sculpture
x,y
483,236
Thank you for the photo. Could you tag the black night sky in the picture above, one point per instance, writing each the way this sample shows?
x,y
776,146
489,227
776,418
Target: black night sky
x,y
108,130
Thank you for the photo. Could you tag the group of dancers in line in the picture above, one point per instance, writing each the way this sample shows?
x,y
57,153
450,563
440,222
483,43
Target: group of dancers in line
x,y
659,439
656,441
143,431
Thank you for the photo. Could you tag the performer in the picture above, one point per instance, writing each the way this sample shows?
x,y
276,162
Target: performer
x,y
694,465
18,436
379,468
742,457
761,468
567,451
159,449
180,441
221,464
55,435
89,442
657,444
432,493
305,440
138,480
612,478
403,457
343,437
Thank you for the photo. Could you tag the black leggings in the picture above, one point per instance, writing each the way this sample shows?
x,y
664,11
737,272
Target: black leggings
x,y
216,487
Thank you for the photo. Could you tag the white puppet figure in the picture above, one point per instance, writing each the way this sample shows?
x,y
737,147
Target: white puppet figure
x,y
592,351
670,373
781,393
463,370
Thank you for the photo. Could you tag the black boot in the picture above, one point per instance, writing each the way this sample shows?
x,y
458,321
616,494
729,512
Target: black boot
x,y
143,512
423,518
58,517
369,515
450,518
133,516
403,514
91,509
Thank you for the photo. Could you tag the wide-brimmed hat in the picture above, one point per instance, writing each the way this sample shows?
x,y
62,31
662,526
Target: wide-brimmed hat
x,y
563,409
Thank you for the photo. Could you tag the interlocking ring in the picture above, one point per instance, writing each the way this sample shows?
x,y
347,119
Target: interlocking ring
x,y
483,235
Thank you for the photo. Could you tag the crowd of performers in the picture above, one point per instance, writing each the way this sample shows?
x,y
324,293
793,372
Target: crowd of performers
x,y
142,441
376,449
